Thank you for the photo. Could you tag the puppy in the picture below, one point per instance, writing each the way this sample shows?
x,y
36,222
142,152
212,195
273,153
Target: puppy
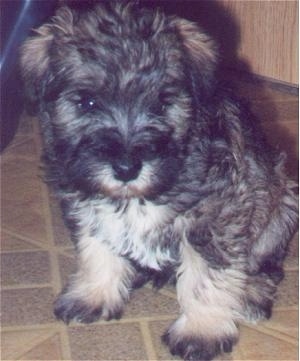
x,y
162,174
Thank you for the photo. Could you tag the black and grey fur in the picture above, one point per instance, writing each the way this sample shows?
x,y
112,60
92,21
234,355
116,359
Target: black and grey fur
x,y
161,173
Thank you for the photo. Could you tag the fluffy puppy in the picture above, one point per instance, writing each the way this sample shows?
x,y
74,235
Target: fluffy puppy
x,y
161,173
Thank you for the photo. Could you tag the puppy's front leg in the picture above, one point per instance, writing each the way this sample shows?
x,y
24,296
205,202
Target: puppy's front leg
x,y
208,302
99,288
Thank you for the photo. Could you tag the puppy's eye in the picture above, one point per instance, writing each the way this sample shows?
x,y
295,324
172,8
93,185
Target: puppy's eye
x,y
87,104
158,108
164,100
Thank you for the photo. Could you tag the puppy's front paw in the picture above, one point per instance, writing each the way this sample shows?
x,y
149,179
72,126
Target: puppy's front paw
x,y
198,348
67,308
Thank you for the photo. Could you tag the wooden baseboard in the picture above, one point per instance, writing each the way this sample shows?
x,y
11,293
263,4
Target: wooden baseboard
x,y
263,80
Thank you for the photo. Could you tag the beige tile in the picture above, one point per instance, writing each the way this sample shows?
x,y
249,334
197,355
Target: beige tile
x,y
286,322
147,302
25,268
60,232
27,224
12,243
28,306
67,266
288,290
22,146
107,342
256,345
16,343
21,200
26,125
157,329
20,178
49,349
23,140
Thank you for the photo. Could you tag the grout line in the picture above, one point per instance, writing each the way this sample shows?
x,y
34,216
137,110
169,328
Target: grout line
x,y
150,349
65,344
22,237
10,157
40,341
274,333
53,255
62,250
280,331
25,286
20,250
132,320
34,343
59,326
55,326
54,262
286,308
55,272
59,250
19,139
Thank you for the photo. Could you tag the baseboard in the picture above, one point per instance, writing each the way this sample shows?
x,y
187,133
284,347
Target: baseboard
x,y
263,80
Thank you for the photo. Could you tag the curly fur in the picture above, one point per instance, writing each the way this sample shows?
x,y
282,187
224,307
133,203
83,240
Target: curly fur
x,y
162,173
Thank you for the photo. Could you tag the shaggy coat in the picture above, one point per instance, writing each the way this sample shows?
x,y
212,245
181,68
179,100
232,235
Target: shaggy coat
x,y
162,173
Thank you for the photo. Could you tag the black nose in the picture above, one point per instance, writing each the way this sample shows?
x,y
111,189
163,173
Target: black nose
x,y
127,169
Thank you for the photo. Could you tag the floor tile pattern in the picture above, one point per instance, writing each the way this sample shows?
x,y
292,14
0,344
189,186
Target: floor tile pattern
x,y
37,257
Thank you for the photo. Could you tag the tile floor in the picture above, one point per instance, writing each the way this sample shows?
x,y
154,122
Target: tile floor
x,y
37,257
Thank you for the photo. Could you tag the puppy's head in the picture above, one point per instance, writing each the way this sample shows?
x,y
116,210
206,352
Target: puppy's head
x,y
117,89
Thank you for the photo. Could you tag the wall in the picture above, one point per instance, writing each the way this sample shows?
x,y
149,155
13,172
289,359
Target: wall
x,y
268,37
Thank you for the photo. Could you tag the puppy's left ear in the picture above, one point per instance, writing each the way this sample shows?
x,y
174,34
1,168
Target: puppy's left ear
x,y
34,63
202,56
35,57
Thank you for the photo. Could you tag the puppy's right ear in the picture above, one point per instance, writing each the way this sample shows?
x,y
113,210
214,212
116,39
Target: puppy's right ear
x,y
201,55
35,57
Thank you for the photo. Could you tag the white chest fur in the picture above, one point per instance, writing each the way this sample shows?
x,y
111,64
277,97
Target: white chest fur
x,y
135,229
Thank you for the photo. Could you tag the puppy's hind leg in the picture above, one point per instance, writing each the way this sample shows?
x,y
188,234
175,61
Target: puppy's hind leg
x,y
98,289
208,300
